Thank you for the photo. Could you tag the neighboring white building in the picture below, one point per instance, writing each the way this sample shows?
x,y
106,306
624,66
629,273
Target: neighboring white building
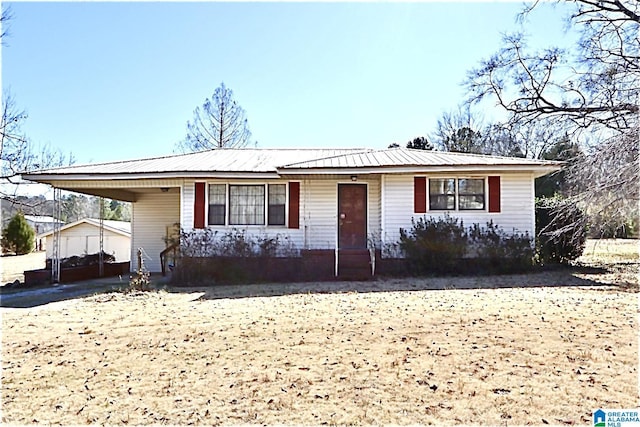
x,y
83,237
330,199
41,224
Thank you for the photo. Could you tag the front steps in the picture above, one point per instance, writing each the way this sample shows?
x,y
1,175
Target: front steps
x,y
354,264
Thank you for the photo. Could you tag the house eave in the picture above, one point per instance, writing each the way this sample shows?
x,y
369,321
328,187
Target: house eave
x,y
51,178
537,171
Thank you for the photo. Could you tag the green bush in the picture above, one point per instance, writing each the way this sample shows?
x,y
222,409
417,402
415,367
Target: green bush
x,y
434,245
561,231
18,236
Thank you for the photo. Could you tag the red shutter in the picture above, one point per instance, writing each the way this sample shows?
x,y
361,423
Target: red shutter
x,y
420,194
198,206
294,205
494,194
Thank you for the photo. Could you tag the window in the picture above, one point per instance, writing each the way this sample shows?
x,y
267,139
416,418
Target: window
x,y
217,203
277,201
471,194
448,194
442,194
246,204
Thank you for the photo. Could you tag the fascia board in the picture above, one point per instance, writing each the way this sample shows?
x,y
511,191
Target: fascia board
x,y
537,170
47,178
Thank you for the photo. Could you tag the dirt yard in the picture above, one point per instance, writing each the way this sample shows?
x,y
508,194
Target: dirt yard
x,y
507,350
12,267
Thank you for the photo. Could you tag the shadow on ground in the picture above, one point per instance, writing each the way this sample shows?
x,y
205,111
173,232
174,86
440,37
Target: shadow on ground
x,y
33,297
556,277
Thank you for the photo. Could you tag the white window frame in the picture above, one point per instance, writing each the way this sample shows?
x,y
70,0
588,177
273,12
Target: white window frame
x,y
227,210
456,179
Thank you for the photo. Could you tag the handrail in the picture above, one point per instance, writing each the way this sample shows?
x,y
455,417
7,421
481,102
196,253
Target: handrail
x,y
163,256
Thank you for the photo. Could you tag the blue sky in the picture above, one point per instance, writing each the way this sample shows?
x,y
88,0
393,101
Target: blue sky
x,y
115,81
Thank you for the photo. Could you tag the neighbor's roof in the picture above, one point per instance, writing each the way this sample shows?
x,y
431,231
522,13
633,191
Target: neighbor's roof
x,y
41,219
275,162
119,227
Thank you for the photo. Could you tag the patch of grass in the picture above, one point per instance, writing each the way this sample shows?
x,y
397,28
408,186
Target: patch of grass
x,y
611,251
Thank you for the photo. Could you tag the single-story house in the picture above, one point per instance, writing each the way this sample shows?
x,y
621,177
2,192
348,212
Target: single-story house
x,y
83,237
320,199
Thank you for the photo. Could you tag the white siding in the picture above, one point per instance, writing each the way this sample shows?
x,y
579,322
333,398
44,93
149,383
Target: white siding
x,y
186,211
153,215
85,239
296,236
517,206
318,212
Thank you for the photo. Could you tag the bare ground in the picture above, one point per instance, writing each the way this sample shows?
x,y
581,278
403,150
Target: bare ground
x,y
505,350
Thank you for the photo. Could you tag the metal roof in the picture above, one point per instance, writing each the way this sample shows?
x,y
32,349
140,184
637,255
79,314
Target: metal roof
x,y
120,227
219,160
39,219
275,162
394,157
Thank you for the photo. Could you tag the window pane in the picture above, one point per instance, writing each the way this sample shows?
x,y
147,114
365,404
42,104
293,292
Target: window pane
x,y
442,202
217,203
246,204
471,194
442,194
442,186
216,215
277,201
471,186
471,202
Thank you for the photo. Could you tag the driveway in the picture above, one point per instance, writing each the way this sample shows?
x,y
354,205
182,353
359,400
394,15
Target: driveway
x,y
32,297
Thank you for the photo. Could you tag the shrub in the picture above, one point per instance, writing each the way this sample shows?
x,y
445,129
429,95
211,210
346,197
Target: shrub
x,y
140,281
83,261
561,231
444,245
205,256
500,252
434,245
18,236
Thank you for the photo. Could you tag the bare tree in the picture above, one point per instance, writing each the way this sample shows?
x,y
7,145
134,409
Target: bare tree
x,y
5,16
592,90
220,123
594,85
460,130
532,140
17,153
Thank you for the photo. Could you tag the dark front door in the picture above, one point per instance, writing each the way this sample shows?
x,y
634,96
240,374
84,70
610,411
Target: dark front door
x,y
352,216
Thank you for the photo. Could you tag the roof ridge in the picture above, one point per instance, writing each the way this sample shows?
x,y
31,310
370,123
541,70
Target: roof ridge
x,y
355,151
168,156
